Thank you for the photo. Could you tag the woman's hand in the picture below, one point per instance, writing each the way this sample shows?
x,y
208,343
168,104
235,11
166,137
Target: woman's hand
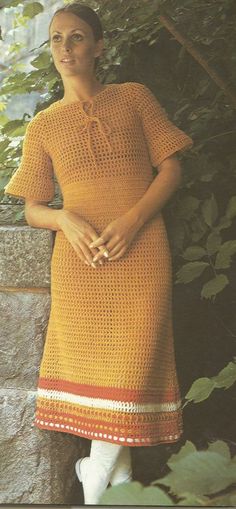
x,y
117,236
80,234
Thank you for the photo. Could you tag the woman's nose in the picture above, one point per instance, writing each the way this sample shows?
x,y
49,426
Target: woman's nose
x,y
67,46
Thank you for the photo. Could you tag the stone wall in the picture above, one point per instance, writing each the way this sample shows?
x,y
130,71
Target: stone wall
x,y
36,466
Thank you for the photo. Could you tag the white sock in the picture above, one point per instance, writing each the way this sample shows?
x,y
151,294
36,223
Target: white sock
x,y
97,469
123,468
122,471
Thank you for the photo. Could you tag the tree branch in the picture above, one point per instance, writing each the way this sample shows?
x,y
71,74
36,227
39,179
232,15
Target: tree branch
x,y
188,45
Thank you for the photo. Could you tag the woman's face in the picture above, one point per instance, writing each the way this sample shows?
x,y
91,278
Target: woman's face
x,y
72,44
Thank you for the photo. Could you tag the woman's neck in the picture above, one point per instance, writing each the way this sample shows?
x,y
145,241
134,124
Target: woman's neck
x,y
75,90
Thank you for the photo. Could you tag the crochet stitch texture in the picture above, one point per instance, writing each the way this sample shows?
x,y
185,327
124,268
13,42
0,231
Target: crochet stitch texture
x,y
108,368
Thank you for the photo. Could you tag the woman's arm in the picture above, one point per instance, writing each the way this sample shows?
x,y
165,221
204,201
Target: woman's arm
x,y
160,190
118,235
40,215
77,231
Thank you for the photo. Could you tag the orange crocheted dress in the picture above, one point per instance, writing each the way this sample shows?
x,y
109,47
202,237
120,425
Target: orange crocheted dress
x,y
108,368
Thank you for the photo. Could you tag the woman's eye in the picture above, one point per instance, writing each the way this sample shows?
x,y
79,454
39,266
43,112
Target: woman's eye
x,y
56,38
76,36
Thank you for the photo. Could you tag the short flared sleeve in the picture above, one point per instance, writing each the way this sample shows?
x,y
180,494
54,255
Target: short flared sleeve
x,y
33,178
162,136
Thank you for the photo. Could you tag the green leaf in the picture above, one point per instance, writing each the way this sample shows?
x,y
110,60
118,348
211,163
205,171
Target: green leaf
x,y
19,131
194,253
214,286
191,271
228,500
187,207
221,448
224,223
226,377
210,210
3,145
42,61
10,3
134,493
231,208
200,389
188,448
11,127
52,82
191,500
226,251
201,473
3,181
198,227
32,9
213,242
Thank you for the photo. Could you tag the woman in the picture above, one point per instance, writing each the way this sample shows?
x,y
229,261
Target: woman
x,y
108,368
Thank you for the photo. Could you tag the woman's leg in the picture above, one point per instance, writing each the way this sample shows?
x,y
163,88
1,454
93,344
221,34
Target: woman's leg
x,y
96,469
122,471
123,468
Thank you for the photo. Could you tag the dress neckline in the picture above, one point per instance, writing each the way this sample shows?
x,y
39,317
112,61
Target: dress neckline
x,y
90,99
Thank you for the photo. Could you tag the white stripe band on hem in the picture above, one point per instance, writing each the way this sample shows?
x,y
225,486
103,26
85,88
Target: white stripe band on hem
x,y
120,406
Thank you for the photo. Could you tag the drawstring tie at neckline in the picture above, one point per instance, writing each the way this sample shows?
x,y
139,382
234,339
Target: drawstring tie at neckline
x,y
104,129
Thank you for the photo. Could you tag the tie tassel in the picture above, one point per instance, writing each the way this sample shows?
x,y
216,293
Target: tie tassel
x,y
104,129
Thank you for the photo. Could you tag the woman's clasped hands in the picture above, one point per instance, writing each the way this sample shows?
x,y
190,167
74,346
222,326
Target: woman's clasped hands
x,y
94,249
116,237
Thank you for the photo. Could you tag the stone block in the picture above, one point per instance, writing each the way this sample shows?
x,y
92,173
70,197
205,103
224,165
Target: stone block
x,y
12,214
25,255
23,325
37,466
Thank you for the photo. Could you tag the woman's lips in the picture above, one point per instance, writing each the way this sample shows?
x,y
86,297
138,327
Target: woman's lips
x,y
67,61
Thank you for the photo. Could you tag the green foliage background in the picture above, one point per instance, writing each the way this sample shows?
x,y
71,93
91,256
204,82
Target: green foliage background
x,y
200,217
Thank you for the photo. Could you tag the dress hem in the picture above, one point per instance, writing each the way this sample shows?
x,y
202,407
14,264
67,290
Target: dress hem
x,y
91,435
